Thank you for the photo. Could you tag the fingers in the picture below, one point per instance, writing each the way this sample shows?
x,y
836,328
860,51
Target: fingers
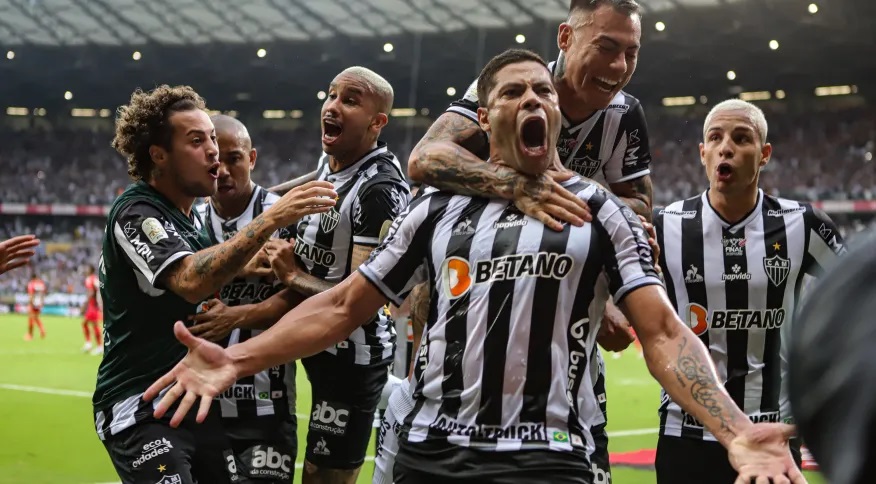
x,y
185,336
571,202
762,480
184,406
781,480
160,384
167,401
15,264
788,431
19,242
549,221
796,476
203,408
313,184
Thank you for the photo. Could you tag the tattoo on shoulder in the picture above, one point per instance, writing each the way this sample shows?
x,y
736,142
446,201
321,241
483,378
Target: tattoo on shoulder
x,y
693,373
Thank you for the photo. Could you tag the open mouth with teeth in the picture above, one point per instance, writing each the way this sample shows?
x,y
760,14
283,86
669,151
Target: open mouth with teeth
x,y
533,137
605,84
331,131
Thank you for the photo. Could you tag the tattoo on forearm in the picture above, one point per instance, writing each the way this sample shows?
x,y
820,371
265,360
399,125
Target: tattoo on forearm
x,y
212,268
638,195
308,285
695,374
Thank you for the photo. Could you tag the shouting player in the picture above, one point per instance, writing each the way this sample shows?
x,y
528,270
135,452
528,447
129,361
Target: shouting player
x,y
255,412
157,266
604,133
734,260
505,350
36,293
93,313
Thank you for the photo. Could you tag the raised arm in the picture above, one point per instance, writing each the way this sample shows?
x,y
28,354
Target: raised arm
x,y
200,275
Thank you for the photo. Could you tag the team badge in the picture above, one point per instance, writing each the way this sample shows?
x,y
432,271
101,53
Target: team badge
x,y
329,220
777,268
585,166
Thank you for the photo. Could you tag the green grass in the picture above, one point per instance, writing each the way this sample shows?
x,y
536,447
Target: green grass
x,y
50,439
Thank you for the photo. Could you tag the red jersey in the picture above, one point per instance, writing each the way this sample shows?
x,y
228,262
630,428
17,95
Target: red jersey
x,y
37,289
92,286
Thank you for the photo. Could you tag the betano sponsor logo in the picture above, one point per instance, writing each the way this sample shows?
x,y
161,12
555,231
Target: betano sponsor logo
x,y
700,320
458,275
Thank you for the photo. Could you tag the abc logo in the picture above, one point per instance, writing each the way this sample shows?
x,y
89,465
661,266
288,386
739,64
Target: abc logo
x,y
325,413
697,318
270,458
456,277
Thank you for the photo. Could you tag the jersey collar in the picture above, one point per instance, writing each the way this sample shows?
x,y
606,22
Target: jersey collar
x,y
733,227
347,173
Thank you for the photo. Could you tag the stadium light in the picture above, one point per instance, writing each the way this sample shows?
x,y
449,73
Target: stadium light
x,y
136,55
755,96
274,114
403,112
813,8
703,99
660,26
10,54
780,94
868,156
39,112
424,112
731,75
296,114
105,113
15,111
451,91
261,52
774,44
520,38
387,47
320,95
834,90
68,95
83,113
679,101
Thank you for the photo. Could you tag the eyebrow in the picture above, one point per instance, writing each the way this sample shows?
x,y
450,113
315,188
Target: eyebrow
x,y
197,131
614,42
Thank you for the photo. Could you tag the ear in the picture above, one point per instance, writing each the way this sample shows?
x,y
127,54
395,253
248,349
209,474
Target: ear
x,y
703,154
564,36
766,152
484,119
253,154
158,155
380,121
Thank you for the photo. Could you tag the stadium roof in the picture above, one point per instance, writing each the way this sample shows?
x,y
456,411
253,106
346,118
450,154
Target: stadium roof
x,y
101,50
135,22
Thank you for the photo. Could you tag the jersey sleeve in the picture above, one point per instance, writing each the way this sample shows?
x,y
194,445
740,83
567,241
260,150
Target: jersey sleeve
x,y
825,242
373,207
628,259
631,157
140,233
399,263
468,104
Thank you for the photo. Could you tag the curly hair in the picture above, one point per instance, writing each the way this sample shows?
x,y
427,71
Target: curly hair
x,y
144,122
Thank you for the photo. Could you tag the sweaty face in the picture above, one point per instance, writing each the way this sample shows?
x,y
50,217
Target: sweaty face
x,y
523,117
236,161
347,114
601,54
193,160
732,152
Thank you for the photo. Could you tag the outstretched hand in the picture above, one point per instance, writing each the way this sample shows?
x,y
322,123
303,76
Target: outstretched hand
x,y
16,252
761,454
205,372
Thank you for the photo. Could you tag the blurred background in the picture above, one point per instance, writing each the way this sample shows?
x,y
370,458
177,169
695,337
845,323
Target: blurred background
x,y
66,65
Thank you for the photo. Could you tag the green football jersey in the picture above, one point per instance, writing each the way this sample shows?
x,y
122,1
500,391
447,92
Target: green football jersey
x,y
145,235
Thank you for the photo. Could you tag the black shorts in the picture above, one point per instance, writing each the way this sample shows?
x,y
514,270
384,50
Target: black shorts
x,y
599,460
345,397
691,461
429,463
152,452
264,449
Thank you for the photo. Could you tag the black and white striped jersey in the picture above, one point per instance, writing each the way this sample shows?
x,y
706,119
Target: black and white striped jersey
x,y
503,362
370,192
612,141
737,285
264,393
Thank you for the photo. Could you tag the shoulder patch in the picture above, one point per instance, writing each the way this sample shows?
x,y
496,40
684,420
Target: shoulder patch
x,y
154,230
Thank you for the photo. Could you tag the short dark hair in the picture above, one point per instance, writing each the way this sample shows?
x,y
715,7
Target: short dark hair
x,y
629,7
144,122
487,78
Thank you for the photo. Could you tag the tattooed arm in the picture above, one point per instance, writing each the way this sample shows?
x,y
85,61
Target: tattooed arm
x,y
637,194
681,363
445,158
200,275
